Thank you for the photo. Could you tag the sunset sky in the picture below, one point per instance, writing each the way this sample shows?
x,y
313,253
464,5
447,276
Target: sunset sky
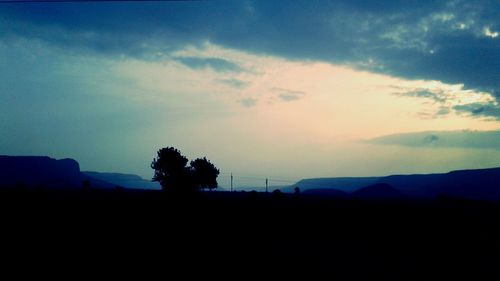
x,y
284,90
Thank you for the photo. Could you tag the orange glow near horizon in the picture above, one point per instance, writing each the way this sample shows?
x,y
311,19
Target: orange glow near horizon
x,y
318,110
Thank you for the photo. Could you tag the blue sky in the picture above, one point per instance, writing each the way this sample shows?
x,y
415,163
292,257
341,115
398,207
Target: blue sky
x,y
296,88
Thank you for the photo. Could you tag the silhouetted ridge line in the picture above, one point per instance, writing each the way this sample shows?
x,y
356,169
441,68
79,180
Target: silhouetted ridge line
x,y
43,172
476,184
378,191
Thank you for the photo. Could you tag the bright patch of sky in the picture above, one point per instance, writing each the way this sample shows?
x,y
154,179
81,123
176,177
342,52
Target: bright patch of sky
x,y
490,33
310,115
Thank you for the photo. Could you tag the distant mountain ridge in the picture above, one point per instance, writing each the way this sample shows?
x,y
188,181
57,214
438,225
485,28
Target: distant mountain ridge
x,y
472,184
124,180
482,184
382,191
345,184
46,172
38,171
328,192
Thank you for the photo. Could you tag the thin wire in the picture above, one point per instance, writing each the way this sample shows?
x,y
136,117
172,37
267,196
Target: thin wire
x,y
291,182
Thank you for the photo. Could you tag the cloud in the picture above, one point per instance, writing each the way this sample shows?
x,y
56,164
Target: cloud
x,y
453,98
489,33
248,102
454,41
216,64
451,41
431,139
234,83
288,95
438,96
443,139
443,110
480,109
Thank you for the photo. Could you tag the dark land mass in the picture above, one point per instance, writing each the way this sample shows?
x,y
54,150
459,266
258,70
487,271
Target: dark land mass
x,y
140,234
122,180
328,192
378,191
48,173
479,184
347,184
56,219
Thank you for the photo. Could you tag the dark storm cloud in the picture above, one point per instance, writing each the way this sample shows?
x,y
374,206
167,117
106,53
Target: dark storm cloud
x,y
139,30
451,41
457,139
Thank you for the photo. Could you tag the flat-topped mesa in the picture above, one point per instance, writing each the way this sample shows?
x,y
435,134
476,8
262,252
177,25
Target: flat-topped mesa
x,y
39,171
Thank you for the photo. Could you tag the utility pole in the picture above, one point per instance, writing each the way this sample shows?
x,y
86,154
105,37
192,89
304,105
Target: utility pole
x,y
266,185
231,182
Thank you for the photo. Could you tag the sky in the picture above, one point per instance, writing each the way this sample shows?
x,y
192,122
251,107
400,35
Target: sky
x,y
264,89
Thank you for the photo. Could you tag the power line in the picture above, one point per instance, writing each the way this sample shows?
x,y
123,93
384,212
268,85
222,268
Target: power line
x,y
290,182
255,177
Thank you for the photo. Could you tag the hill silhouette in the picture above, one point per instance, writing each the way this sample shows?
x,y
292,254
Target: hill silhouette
x,y
123,180
155,232
330,192
46,172
478,184
36,171
346,184
481,184
378,191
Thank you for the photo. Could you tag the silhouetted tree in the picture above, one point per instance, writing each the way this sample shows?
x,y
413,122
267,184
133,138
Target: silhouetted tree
x,y
276,192
170,169
253,194
173,174
204,173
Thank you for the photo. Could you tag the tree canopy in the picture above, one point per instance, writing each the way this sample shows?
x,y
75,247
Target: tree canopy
x,y
171,171
204,173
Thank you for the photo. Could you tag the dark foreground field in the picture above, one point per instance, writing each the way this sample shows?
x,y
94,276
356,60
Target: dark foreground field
x,y
139,234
